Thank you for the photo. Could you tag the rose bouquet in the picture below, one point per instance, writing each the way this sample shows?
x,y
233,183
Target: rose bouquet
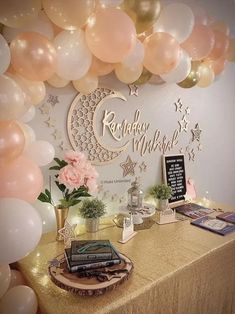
x,y
76,178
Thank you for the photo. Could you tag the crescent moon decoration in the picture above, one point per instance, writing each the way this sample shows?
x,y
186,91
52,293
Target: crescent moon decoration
x,y
81,126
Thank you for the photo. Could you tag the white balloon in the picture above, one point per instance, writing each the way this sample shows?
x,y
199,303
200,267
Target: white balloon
x,y
73,56
29,115
5,278
181,71
41,152
19,300
57,81
136,57
176,19
17,279
29,133
47,213
5,55
110,3
20,229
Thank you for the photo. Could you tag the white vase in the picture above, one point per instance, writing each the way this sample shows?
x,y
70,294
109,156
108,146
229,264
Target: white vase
x,y
162,204
92,224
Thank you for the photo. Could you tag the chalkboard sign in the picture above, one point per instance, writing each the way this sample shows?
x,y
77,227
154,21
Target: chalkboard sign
x,y
174,176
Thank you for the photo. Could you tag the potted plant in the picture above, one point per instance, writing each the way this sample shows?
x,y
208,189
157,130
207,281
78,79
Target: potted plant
x,y
162,193
91,210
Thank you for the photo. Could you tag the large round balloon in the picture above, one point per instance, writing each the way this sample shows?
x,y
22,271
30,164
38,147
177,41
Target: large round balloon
x,y
144,13
144,77
207,75
100,68
176,19
136,56
110,35
200,43
127,74
29,115
69,15
17,279
74,57
57,81
162,53
15,13
221,45
33,56
21,178
230,54
47,213
180,72
5,278
5,55
217,65
29,133
12,140
86,84
11,99
220,26
41,152
193,78
20,231
19,300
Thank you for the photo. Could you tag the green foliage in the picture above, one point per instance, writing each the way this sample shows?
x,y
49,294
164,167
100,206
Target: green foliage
x,y
92,208
160,191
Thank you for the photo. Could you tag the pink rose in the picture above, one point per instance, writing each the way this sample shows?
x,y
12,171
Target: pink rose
x,y
75,158
71,177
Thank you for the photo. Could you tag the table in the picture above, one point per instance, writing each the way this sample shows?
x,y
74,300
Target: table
x,y
178,268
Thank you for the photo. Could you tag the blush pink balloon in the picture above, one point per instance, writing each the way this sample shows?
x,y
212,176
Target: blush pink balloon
x,y
220,47
12,140
17,279
21,178
33,56
200,43
162,53
110,35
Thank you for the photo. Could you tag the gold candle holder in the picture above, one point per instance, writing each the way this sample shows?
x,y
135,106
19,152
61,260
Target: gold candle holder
x,y
61,216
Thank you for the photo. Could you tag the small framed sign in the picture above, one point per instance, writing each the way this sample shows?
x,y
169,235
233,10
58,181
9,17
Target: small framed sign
x,y
174,176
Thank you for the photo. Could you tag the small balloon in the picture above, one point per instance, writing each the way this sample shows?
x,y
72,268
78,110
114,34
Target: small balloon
x,y
207,75
100,68
193,78
17,279
41,152
144,77
87,84
57,81
136,57
5,278
230,54
126,74
5,55
220,26
29,115
47,214
220,47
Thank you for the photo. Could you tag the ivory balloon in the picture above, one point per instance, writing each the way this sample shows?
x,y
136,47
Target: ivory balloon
x,y
230,54
127,74
100,68
41,152
177,19
57,81
162,53
21,178
69,15
33,56
74,57
5,55
109,3
200,15
17,279
19,300
21,229
220,26
29,133
217,65
207,75
11,99
86,84
103,35
193,78
29,115
144,77
5,277
12,140
47,213
136,56
180,72
220,47
15,13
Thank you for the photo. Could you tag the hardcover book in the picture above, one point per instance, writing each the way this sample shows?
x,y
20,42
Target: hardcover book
x,y
228,217
214,225
91,250
193,210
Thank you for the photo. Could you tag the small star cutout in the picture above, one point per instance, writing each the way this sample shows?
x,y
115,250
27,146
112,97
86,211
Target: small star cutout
x,y
143,167
45,109
128,167
178,105
57,135
53,100
196,133
50,122
183,124
54,263
199,147
67,233
134,90
187,111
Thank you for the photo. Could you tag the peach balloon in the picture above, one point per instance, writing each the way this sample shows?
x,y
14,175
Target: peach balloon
x,y
110,35
12,140
217,65
21,178
11,99
69,15
230,55
220,26
220,47
57,81
17,279
200,43
126,74
162,53
100,68
207,75
33,56
15,13
86,84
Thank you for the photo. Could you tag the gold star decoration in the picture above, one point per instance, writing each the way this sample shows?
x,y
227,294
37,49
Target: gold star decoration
x,y
143,167
56,134
134,90
183,124
53,100
199,147
128,167
45,109
196,133
50,122
187,111
68,233
178,105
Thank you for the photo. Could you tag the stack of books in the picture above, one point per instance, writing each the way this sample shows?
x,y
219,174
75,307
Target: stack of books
x,y
85,255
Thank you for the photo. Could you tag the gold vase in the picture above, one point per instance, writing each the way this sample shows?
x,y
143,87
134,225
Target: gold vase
x,y
61,216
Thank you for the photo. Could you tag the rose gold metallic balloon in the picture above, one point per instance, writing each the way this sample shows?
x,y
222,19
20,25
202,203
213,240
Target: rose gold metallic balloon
x,y
33,56
220,47
100,68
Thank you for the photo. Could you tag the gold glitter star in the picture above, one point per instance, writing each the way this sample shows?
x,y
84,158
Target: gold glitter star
x,y
143,167
67,233
134,90
50,122
199,147
196,133
187,111
178,105
128,167
183,124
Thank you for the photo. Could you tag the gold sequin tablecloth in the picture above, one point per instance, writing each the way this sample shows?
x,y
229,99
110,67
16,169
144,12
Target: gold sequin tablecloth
x,y
178,269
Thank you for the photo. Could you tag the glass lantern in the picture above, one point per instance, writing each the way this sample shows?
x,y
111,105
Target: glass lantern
x,y
135,196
